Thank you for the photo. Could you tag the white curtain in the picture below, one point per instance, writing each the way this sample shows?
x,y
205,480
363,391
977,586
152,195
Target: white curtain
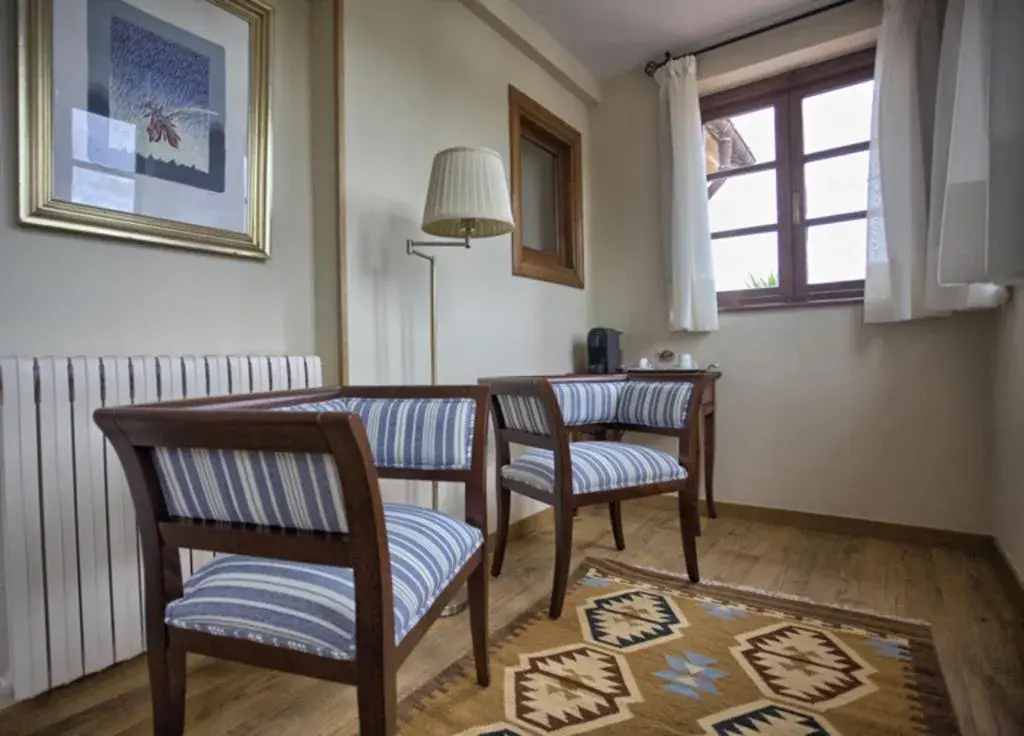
x,y
693,302
928,179
1005,259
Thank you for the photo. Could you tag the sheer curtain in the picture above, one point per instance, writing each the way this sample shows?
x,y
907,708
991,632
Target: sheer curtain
x,y
1005,259
693,302
928,178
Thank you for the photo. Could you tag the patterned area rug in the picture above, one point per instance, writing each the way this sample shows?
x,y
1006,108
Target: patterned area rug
x,y
643,652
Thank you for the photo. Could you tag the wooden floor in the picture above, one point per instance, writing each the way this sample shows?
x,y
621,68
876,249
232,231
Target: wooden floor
x,y
979,634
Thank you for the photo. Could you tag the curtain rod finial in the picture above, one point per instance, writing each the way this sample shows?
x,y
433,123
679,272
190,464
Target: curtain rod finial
x,y
652,66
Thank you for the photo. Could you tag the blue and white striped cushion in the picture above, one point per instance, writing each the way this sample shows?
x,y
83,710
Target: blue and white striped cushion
x,y
597,466
525,413
328,405
312,608
587,402
289,489
655,403
425,434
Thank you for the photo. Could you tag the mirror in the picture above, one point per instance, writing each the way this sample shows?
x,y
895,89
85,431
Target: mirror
x,y
539,191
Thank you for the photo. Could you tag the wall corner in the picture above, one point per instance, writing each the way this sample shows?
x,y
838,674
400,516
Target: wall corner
x,y
537,44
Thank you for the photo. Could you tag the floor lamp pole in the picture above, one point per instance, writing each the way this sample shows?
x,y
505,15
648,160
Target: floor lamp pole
x,y
458,605
435,501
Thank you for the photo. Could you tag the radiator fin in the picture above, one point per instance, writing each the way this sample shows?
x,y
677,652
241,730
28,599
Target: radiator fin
x,y
71,552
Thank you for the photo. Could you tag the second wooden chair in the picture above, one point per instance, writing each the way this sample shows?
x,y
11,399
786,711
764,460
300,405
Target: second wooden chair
x,y
540,412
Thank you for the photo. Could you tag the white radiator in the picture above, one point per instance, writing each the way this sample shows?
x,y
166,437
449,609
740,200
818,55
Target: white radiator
x,y
72,565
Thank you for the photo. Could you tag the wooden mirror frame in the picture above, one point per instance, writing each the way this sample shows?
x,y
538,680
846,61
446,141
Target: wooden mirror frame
x,y
529,119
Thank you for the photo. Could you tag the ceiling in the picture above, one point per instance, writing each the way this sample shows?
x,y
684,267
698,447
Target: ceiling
x,y
614,36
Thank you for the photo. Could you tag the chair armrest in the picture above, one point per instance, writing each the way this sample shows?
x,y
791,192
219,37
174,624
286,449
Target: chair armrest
x,y
417,432
662,402
460,414
526,411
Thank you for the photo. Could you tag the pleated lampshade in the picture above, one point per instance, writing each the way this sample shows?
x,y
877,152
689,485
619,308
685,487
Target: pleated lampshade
x,y
468,195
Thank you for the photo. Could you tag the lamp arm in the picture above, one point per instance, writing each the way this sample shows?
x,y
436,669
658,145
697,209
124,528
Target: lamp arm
x,y
411,245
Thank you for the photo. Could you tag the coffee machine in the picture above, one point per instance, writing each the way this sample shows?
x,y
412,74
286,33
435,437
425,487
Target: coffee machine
x,y
603,352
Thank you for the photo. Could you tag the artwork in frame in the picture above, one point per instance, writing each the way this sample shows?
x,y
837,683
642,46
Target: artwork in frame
x,y
148,120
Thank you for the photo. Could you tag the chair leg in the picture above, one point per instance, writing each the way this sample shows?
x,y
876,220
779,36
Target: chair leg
x,y
615,511
377,698
167,681
709,464
478,604
689,524
504,506
563,555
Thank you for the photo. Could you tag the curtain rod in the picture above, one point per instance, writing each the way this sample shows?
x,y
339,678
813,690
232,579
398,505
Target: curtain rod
x,y
652,66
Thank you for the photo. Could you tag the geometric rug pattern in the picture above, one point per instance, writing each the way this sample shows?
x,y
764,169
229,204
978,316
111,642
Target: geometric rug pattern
x,y
631,620
804,666
639,652
569,690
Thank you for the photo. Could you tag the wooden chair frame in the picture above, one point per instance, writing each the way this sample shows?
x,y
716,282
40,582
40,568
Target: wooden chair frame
x,y
244,423
564,501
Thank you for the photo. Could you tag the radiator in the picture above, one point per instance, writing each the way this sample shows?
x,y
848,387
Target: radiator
x,y
72,562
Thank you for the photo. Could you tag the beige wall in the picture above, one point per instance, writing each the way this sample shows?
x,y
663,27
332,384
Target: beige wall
x,y
837,32
423,75
66,294
818,412
63,294
1008,397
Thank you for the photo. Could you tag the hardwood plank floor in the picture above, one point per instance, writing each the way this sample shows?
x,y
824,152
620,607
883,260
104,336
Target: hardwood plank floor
x,y
978,631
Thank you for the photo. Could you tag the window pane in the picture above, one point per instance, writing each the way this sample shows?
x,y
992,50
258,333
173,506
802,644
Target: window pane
x,y
836,252
743,200
746,262
740,140
838,118
837,185
539,190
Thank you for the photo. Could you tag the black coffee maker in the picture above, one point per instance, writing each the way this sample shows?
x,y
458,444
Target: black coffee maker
x,y
603,352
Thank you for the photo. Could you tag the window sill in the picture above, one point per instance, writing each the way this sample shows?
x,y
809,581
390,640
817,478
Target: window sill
x,y
764,306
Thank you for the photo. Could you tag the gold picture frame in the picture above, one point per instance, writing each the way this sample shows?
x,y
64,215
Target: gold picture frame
x,y
39,204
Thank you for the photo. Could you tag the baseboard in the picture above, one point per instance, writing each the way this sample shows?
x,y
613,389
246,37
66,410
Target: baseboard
x,y
843,525
545,518
1011,580
6,694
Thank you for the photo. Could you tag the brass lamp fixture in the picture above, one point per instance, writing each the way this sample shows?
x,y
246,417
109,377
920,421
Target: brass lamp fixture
x,y
467,198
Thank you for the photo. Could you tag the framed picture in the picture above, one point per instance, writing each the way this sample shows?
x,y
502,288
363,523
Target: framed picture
x,y
147,120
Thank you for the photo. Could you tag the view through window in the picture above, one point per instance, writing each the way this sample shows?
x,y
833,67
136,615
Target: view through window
x,y
787,170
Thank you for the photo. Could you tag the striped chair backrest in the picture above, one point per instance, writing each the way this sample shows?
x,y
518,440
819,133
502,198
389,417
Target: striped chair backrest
x,y
661,404
524,413
287,489
587,402
422,434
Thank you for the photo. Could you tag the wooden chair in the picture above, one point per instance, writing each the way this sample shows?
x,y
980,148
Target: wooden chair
x,y
540,412
314,574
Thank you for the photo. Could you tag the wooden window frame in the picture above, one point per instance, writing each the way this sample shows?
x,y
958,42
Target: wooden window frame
x,y
785,93
529,119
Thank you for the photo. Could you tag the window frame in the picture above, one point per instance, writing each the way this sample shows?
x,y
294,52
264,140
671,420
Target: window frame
x,y
785,93
531,120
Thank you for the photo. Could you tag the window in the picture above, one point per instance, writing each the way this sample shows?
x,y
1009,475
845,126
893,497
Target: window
x,y
787,170
547,199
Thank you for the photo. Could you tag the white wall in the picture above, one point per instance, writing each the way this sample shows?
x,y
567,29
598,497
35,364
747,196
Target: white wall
x,y
68,294
834,33
818,412
1008,397
64,294
423,75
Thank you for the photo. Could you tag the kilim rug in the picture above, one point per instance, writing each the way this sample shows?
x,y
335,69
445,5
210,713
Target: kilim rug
x,y
638,651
